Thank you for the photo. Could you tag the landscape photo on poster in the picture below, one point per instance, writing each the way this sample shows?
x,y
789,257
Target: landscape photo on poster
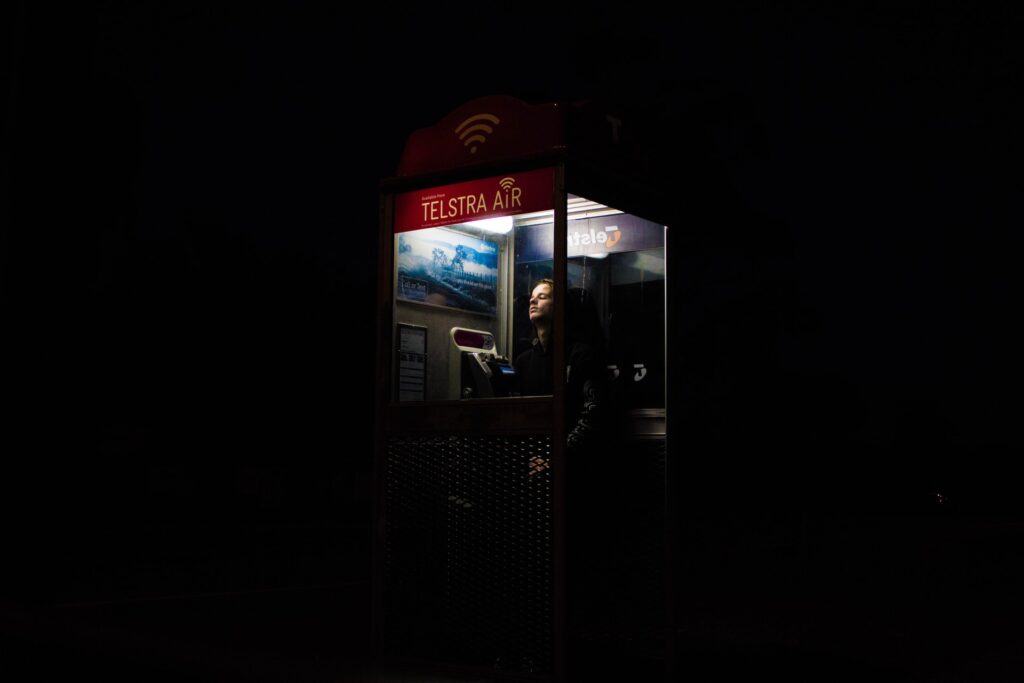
x,y
448,268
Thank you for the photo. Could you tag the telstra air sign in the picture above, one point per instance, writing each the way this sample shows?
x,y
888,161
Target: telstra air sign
x,y
525,192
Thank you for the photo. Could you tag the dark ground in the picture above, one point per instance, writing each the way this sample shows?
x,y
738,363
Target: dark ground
x,y
189,218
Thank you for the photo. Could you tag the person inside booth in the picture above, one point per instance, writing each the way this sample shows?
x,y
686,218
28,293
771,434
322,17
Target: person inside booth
x,y
586,390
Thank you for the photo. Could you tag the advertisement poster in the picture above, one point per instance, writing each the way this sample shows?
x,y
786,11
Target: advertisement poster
x,y
448,268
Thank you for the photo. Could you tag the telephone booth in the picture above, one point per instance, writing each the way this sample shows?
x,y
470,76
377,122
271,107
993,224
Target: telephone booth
x,y
520,522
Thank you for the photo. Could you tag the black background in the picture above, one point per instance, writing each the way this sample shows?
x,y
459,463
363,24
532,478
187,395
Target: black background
x,y
189,223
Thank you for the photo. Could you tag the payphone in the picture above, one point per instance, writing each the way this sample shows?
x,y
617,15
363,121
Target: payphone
x,y
473,508
478,371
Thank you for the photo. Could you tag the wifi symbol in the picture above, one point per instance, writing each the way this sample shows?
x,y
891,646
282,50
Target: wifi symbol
x,y
469,131
506,183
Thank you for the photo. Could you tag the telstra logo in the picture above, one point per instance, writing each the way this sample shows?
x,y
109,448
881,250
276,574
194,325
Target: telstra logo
x,y
473,130
608,236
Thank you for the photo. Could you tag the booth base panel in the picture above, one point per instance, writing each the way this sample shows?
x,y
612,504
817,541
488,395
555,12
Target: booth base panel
x,y
468,553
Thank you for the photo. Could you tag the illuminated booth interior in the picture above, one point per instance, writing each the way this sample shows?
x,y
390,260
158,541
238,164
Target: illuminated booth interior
x,y
462,293
496,550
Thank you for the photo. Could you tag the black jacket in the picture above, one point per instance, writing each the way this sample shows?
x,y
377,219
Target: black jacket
x,y
586,387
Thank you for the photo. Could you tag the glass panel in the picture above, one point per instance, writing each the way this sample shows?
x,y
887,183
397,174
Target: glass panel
x,y
534,268
616,282
462,293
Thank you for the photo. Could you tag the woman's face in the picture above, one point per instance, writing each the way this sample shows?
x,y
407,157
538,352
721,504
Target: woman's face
x,y
542,304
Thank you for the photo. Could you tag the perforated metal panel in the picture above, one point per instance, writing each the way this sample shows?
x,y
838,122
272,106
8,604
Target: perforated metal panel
x,y
469,551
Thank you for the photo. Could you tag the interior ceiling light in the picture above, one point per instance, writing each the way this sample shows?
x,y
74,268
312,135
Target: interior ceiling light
x,y
502,225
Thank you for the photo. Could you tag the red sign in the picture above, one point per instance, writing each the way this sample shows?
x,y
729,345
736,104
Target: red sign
x,y
475,200
485,130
